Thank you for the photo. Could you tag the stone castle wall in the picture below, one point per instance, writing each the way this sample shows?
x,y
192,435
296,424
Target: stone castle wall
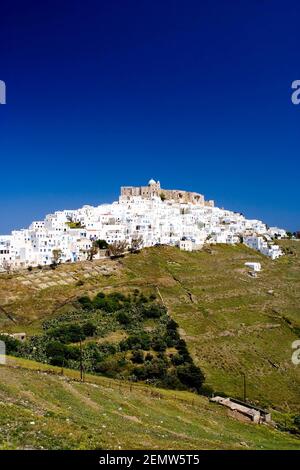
x,y
154,189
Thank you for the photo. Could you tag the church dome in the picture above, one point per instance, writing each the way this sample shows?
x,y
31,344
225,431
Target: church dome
x,y
152,181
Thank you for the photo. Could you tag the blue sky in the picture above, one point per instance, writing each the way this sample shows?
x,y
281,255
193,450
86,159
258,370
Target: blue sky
x,y
108,93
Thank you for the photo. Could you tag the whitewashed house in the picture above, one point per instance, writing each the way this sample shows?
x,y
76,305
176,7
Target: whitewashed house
x,y
177,221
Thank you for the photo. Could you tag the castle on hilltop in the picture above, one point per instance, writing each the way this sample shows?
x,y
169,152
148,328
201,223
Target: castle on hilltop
x,y
153,189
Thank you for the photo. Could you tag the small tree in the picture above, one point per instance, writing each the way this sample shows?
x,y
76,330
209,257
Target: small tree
x,y
136,243
91,253
6,266
117,248
56,255
101,244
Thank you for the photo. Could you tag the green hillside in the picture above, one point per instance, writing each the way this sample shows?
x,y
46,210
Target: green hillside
x,y
233,323
41,409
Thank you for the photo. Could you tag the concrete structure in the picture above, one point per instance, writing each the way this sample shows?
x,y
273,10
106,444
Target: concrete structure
x,y
256,267
244,411
19,336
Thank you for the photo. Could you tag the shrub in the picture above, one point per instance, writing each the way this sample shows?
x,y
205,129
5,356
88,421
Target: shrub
x,y
123,318
297,421
158,344
148,357
67,333
171,338
88,329
156,369
140,373
12,345
101,295
108,348
171,381
57,353
137,357
110,303
86,303
109,367
101,244
177,359
136,341
117,296
190,375
171,325
153,311
142,299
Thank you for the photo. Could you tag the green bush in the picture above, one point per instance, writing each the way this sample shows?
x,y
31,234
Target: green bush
x,y
156,369
123,318
153,311
159,344
67,333
86,303
109,303
109,367
108,348
297,421
172,382
190,375
72,333
101,244
172,325
59,353
12,345
137,357
136,341
88,329
148,357
177,359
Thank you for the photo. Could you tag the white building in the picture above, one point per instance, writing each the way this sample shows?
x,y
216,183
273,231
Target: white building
x,y
173,222
261,244
256,267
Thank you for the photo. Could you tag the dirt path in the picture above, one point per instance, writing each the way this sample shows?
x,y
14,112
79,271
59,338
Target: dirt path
x,y
84,398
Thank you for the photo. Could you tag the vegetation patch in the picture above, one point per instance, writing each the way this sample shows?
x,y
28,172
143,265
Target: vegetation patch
x,y
77,340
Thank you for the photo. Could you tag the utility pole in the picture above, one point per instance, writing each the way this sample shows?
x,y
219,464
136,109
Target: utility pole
x,y
245,386
81,364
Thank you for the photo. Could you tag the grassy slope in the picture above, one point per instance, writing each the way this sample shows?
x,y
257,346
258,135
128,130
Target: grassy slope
x,y
43,410
229,320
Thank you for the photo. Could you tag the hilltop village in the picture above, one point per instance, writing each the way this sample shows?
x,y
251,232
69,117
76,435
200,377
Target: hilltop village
x,y
149,214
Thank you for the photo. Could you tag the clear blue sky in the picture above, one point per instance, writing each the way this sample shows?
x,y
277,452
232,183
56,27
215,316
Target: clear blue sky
x,y
108,93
